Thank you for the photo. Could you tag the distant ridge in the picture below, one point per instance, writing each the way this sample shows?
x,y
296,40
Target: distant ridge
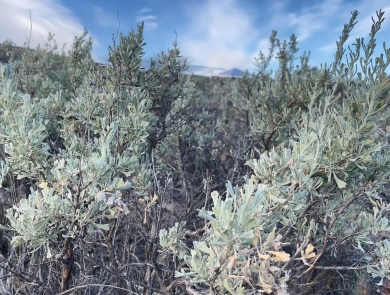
x,y
232,73
193,69
18,51
203,71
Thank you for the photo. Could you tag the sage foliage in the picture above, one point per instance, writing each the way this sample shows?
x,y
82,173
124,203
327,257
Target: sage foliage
x,y
123,180
82,138
314,194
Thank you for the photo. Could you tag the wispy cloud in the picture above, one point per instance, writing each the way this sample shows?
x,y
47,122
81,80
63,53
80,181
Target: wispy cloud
x,y
361,30
46,16
318,25
215,34
312,19
333,14
103,18
146,18
219,33
150,20
145,10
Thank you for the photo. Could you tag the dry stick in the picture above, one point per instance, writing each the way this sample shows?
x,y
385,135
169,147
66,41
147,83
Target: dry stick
x,y
339,241
268,141
303,245
119,275
340,267
67,261
94,285
179,282
28,47
206,188
218,269
110,246
319,255
22,275
182,173
287,233
67,255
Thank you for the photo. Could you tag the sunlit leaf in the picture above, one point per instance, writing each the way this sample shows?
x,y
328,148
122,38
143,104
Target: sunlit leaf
x,y
279,256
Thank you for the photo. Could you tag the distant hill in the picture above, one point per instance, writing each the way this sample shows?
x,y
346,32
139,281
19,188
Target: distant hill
x,y
17,50
193,69
203,71
232,73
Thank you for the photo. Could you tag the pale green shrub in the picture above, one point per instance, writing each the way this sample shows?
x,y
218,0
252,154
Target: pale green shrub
x,y
316,195
84,138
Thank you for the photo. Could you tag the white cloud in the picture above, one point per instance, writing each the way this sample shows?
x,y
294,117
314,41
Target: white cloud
x,y
263,45
145,18
104,19
46,16
311,20
226,34
144,10
149,20
366,11
364,23
319,25
218,34
330,47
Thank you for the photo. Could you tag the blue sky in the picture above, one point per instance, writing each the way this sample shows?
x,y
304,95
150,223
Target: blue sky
x,y
221,34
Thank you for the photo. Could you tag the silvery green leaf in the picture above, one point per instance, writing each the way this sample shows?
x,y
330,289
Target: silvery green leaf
x,y
202,247
105,227
49,254
230,189
206,215
248,235
227,286
6,228
274,198
340,183
119,184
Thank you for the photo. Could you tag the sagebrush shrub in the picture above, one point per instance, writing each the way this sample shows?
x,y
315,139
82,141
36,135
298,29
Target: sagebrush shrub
x,y
312,207
287,169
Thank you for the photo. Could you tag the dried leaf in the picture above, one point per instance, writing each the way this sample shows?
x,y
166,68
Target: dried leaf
x,y
274,268
43,185
263,256
279,256
263,284
282,291
309,252
231,262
